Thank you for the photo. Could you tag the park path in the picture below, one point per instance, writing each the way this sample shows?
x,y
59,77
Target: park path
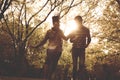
x,y
18,78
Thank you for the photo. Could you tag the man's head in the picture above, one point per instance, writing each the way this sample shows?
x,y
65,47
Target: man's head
x,y
78,20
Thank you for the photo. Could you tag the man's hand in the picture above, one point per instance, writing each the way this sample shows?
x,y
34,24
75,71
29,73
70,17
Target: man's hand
x,y
86,45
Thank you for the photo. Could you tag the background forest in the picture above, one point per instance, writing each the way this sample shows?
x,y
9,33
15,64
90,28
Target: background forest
x,y
24,23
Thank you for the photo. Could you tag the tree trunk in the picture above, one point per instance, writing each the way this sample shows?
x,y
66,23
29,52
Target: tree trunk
x,y
21,62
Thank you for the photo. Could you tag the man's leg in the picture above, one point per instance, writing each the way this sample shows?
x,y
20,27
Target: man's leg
x,y
74,58
82,69
81,58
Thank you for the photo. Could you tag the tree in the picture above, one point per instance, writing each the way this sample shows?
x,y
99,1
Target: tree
x,y
24,17
20,18
4,5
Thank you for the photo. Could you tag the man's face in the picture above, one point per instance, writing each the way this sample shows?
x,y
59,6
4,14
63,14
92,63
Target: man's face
x,y
78,22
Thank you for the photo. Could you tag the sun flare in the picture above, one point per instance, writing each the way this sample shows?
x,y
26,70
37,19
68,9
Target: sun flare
x,y
68,27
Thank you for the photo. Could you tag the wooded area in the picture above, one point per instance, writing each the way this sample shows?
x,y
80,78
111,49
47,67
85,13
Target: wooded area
x,y
25,22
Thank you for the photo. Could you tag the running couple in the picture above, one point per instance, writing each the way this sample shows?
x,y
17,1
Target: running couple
x,y
80,40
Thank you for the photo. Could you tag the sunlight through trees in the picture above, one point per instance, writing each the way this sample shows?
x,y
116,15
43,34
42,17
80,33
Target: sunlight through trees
x,y
26,22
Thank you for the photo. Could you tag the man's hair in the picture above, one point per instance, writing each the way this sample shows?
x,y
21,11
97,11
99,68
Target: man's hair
x,y
78,18
55,18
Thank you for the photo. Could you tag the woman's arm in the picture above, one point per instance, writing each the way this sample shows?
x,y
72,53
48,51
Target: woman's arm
x,y
43,41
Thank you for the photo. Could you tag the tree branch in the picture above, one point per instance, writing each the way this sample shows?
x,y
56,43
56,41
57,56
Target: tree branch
x,y
38,11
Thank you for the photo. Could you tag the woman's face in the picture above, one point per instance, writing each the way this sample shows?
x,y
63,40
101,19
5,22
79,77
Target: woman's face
x,y
56,24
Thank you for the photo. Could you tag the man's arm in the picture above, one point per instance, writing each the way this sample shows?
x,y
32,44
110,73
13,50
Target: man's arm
x,y
88,38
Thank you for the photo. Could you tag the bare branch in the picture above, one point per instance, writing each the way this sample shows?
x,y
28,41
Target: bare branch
x,y
13,24
4,6
1,4
53,7
40,23
38,11
69,7
10,33
18,28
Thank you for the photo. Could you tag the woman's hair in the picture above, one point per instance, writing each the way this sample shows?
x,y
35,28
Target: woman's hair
x,y
55,18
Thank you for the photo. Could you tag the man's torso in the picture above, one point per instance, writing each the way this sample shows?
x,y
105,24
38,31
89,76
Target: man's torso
x,y
78,38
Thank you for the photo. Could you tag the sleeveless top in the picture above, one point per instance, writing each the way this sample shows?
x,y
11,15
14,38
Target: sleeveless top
x,y
55,39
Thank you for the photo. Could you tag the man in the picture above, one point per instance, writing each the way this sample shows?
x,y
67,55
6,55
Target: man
x,y
54,50
80,39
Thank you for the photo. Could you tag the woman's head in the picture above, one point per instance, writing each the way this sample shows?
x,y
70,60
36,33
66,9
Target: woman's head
x,y
55,20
